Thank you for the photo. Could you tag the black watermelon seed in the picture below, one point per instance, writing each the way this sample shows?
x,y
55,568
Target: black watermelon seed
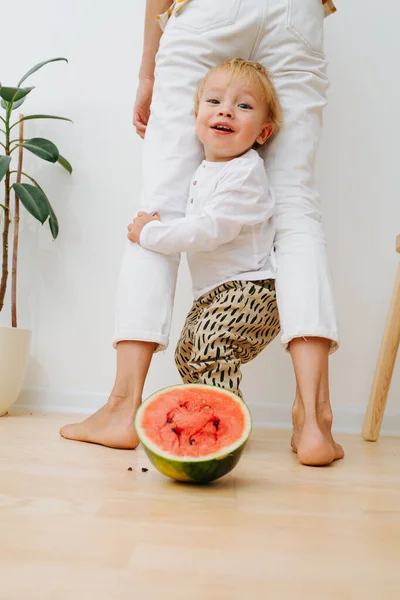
x,y
176,431
169,420
191,442
216,424
144,470
129,468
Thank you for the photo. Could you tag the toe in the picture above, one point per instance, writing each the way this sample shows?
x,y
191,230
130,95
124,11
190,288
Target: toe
x,y
67,432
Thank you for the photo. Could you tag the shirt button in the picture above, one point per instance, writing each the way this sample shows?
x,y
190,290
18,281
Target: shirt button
x,y
194,182
191,201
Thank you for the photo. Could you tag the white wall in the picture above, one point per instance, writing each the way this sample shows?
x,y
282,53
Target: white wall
x,y
66,288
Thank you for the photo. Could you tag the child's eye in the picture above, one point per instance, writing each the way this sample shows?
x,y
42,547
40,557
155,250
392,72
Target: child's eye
x,y
244,105
213,101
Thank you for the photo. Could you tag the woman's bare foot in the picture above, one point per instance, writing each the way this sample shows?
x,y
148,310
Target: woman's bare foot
x,y
312,414
112,425
312,438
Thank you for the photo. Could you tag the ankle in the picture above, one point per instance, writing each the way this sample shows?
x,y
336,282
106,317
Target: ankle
x,y
125,389
117,402
312,410
298,411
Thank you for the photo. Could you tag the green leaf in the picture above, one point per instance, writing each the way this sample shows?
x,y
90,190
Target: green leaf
x,y
29,117
64,163
53,223
12,94
15,105
41,204
4,164
42,148
34,200
39,66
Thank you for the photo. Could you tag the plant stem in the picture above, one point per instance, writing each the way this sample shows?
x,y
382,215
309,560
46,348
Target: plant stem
x,y
16,232
7,221
35,183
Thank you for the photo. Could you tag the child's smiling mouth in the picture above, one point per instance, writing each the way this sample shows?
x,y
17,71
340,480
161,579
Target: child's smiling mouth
x,y
222,128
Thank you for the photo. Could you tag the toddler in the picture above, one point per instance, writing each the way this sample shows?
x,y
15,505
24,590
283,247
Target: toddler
x,y
228,231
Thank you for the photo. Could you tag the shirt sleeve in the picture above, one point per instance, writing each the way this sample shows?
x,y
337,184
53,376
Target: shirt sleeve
x,y
241,199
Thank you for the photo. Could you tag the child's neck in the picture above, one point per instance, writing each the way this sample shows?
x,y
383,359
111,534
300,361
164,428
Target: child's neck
x,y
210,156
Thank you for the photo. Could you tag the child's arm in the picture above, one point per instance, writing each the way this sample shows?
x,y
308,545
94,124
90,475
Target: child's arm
x,y
239,201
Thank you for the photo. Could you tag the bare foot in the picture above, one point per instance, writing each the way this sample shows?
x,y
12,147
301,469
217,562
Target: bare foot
x,y
312,438
112,425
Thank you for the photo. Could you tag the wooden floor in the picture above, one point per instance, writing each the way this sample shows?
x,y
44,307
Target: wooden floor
x,y
75,523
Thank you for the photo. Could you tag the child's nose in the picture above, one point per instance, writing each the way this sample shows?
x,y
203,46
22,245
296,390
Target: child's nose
x,y
225,113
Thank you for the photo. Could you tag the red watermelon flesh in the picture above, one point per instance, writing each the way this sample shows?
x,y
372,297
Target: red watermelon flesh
x,y
185,424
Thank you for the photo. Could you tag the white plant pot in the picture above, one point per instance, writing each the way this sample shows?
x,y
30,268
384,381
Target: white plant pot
x,y
14,352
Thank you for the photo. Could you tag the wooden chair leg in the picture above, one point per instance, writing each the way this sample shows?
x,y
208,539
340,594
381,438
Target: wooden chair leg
x,y
384,368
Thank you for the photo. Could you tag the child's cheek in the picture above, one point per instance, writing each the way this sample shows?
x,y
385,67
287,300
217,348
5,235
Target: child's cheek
x,y
200,130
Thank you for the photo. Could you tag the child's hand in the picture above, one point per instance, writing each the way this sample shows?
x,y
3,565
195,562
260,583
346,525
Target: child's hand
x,y
135,228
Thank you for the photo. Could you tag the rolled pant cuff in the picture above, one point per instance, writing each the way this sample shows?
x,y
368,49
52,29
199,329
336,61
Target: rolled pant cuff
x,y
141,336
323,333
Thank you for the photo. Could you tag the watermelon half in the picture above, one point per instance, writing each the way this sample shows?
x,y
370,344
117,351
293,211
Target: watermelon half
x,y
193,432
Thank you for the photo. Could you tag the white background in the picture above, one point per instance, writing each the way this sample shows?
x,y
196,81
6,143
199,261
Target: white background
x,y
66,288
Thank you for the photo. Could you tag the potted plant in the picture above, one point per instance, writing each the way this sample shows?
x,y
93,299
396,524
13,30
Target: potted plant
x,y
14,341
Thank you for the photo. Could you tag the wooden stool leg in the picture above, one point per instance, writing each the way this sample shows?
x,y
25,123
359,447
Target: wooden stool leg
x,y
384,368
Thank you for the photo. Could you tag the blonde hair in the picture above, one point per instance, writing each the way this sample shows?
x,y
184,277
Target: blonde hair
x,y
253,72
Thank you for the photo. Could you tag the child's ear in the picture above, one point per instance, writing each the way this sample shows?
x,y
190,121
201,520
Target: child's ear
x,y
266,132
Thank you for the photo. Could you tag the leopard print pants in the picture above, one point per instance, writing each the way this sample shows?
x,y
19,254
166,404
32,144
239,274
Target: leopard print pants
x,y
225,329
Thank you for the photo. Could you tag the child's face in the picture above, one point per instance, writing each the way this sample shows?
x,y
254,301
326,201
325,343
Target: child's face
x,y
231,118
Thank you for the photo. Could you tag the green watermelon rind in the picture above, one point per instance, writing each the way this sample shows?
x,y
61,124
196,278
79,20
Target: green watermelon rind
x,y
195,469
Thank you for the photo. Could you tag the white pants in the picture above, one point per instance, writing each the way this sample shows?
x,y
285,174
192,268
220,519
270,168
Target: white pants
x,y
286,36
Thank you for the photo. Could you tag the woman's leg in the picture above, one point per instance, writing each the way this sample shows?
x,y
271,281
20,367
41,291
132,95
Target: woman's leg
x,y
171,153
312,414
291,47
112,425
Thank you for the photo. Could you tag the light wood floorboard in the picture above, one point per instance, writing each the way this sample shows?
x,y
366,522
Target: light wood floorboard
x,y
76,524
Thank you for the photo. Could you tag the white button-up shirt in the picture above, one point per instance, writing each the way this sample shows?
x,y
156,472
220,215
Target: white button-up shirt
x,y
228,230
